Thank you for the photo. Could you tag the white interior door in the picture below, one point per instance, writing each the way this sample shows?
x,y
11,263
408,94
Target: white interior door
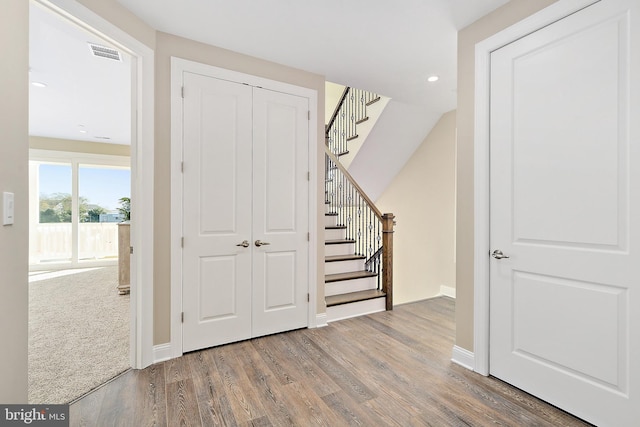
x,y
280,211
217,144
245,209
565,209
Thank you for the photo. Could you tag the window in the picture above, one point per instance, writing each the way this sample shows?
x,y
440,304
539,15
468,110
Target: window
x,y
75,207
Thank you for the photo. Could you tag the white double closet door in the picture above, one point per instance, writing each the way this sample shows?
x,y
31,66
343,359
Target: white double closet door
x,y
245,211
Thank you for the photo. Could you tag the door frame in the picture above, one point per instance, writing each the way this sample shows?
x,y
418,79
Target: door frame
x,y
547,16
178,67
142,170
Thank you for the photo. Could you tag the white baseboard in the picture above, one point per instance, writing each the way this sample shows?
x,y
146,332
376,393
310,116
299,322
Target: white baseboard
x,y
462,357
321,320
447,291
162,352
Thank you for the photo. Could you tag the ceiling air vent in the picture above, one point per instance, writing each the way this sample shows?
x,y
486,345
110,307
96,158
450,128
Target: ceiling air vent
x,y
105,52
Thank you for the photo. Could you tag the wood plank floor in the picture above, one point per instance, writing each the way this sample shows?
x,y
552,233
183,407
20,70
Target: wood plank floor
x,y
390,368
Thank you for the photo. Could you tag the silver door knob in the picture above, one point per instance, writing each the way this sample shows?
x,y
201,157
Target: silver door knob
x,y
244,244
497,254
261,243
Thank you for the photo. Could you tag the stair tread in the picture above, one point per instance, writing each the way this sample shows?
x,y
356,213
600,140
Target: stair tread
x,y
373,101
362,120
335,227
351,138
353,297
334,258
344,153
328,278
338,241
331,214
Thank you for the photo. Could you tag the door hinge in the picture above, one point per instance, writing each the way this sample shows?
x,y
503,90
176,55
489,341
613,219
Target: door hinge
x,y
308,236
131,250
308,176
182,242
182,317
182,167
308,114
182,92
308,298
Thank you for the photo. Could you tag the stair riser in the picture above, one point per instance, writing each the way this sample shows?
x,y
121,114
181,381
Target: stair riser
x,y
353,285
354,309
334,233
336,267
330,220
341,249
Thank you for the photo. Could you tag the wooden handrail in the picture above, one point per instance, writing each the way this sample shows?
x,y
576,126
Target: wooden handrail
x,y
335,112
353,182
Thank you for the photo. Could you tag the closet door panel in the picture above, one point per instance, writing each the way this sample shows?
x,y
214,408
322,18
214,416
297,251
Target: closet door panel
x,y
216,211
280,211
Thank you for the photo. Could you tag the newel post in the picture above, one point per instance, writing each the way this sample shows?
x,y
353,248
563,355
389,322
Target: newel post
x,y
387,258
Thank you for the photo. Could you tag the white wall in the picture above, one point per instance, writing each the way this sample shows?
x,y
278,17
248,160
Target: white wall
x,y
422,197
398,132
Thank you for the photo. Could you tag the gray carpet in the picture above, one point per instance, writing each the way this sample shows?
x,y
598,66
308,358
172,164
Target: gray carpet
x,y
78,333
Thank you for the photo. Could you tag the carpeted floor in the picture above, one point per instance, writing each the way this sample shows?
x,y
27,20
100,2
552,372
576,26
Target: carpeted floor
x,y
78,333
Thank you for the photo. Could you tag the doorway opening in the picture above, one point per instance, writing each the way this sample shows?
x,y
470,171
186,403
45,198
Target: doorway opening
x,y
80,182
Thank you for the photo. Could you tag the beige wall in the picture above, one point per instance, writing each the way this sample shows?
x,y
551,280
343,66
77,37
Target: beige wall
x,y
55,144
14,155
422,197
509,14
166,46
332,94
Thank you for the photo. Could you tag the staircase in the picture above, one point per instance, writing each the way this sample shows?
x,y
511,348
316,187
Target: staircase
x,y
358,237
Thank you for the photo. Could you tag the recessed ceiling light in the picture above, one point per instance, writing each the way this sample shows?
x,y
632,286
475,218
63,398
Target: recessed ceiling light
x,y
82,131
38,84
432,79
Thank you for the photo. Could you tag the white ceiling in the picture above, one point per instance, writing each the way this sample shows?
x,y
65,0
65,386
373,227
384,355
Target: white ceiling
x,y
379,45
384,46
83,92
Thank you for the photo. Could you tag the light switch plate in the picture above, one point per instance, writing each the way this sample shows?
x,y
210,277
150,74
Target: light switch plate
x,y
7,208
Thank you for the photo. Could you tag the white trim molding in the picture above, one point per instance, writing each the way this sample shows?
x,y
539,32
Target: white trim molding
x,y
178,67
162,352
321,320
463,357
483,51
142,169
447,291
